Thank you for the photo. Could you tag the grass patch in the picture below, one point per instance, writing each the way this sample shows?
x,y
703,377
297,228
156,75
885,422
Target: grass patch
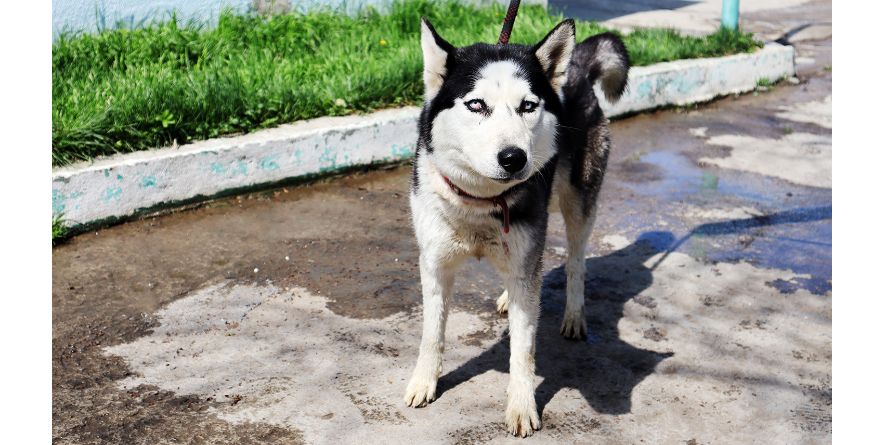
x,y
124,90
765,83
59,230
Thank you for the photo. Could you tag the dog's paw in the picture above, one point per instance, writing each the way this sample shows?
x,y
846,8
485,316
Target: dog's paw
x,y
421,390
521,417
502,303
574,325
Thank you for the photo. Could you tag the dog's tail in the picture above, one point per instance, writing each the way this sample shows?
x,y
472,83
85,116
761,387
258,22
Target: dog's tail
x,y
605,58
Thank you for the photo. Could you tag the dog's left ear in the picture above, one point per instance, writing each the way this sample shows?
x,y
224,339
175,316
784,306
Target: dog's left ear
x,y
435,52
555,51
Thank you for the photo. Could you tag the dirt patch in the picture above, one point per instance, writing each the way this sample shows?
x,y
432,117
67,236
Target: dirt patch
x,y
144,415
638,171
645,301
89,408
815,414
654,334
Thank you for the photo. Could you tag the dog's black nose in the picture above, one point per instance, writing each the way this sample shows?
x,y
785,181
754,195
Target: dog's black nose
x,y
512,159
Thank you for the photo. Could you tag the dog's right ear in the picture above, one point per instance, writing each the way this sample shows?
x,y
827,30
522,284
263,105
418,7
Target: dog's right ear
x,y
435,52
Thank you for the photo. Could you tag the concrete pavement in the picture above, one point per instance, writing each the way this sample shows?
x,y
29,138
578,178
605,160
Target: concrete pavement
x,y
293,315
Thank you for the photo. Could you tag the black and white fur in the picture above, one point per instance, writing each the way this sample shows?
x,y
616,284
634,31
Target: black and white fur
x,y
480,101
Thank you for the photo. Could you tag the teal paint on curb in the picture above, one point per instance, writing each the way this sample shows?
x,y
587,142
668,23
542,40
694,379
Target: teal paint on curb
x,y
327,159
661,82
688,84
112,194
240,169
645,88
269,163
401,151
58,202
119,177
148,182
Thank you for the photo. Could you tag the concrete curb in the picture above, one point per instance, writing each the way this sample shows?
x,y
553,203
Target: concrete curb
x,y
127,185
685,82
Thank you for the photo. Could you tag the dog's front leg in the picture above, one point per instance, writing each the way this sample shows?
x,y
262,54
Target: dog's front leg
x,y
436,286
521,415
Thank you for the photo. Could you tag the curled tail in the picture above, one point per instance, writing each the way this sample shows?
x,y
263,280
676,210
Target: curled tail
x,y
605,59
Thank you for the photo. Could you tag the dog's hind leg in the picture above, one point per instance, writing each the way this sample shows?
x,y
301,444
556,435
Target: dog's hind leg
x,y
436,284
578,214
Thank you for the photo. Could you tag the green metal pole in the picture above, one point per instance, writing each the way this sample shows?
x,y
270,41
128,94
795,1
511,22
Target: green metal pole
x,y
730,14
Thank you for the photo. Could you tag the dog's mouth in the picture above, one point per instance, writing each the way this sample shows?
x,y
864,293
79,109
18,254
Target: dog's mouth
x,y
510,179
517,177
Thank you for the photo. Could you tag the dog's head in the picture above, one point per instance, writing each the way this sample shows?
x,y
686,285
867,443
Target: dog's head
x,y
491,111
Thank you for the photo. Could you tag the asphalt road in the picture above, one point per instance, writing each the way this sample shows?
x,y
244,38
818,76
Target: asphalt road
x,y
293,315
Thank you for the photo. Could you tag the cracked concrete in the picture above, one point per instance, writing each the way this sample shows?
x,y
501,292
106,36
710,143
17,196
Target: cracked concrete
x,y
800,158
340,381
816,112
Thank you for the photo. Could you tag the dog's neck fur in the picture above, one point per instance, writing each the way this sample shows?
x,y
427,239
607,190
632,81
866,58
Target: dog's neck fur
x,y
431,191
495,200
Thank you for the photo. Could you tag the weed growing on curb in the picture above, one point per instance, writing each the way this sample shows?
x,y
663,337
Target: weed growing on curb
x,y
764,83
59,230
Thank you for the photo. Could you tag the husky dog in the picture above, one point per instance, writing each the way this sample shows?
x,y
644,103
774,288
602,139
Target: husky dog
x,y
503,127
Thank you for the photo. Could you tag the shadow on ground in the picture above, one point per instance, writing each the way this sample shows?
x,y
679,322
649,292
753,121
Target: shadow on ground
x,y
605,369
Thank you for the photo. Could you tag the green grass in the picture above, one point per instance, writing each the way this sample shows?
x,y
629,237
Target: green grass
x,y
59,231
765,83
124,90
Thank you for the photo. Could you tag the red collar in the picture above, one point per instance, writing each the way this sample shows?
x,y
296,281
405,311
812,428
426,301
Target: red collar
x,y
495,200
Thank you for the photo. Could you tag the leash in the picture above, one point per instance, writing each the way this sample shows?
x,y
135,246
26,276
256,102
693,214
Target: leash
x,y
508,24
495,200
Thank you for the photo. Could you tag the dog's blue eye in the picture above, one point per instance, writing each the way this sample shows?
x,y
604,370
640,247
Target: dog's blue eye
x,y
476,105
528,106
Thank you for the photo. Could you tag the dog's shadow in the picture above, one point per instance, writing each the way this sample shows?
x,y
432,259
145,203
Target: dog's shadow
x,y
604,368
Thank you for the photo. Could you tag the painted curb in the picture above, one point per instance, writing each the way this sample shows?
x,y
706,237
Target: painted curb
x,y
690,81
130,184
127,185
